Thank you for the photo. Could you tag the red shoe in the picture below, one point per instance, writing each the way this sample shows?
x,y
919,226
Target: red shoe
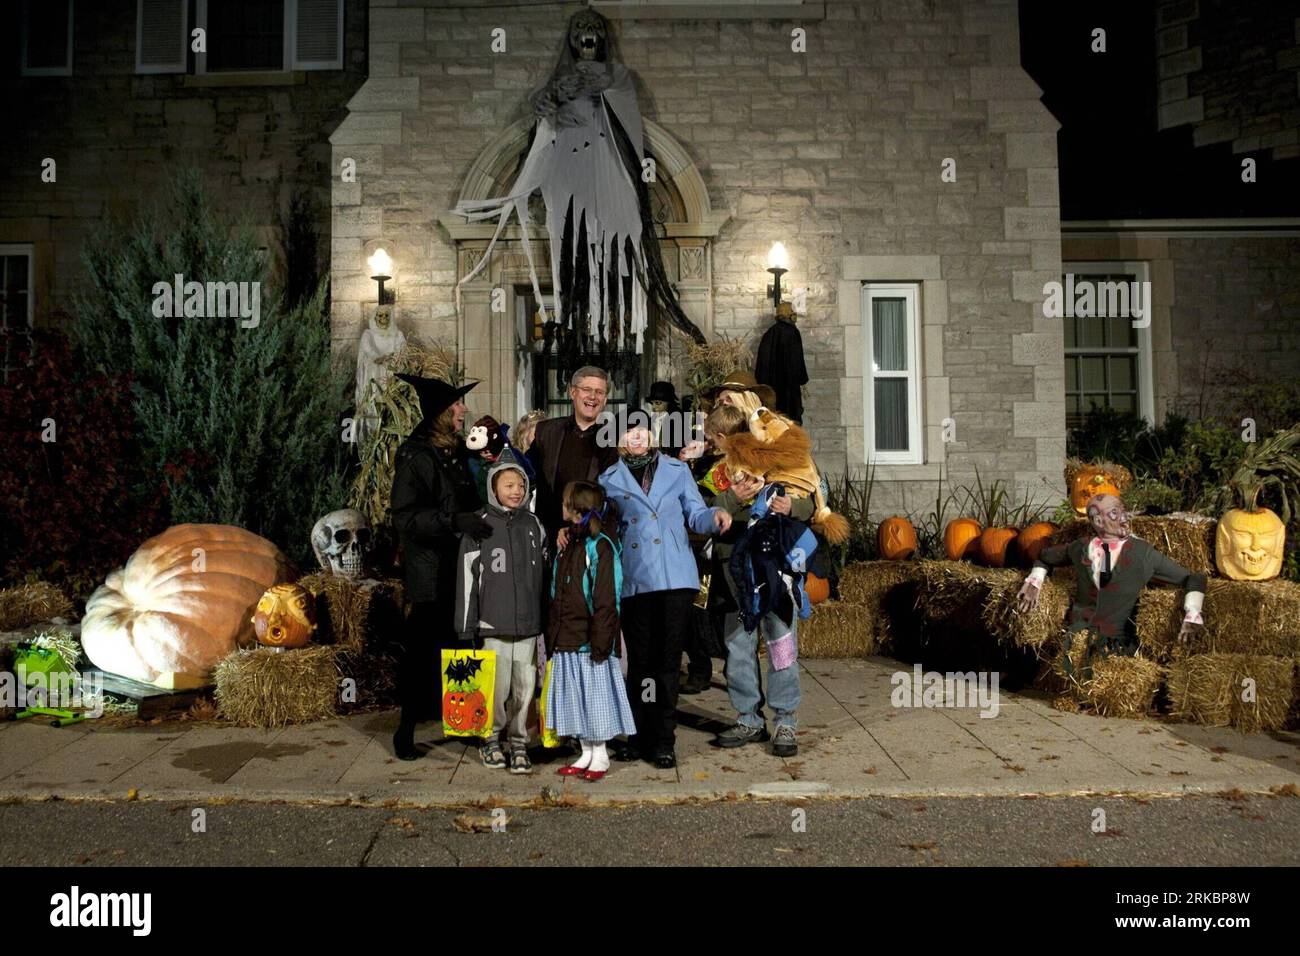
x,y
593,775
571,771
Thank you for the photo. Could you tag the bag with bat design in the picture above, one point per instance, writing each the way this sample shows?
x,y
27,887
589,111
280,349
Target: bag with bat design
x,y
468,681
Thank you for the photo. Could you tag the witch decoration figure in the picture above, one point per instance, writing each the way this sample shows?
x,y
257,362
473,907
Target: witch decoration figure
x,y
588,159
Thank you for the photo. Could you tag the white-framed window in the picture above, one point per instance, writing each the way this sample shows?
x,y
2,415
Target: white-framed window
x,y
240,36
891,387
16,306
47,38
1108,358
162,36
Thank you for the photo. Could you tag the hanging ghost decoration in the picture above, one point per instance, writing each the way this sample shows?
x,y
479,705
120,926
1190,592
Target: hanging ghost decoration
x,y
586,158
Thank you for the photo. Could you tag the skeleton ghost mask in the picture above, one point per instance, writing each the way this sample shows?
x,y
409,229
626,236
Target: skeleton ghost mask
x,y
1108,517
587,36
341,541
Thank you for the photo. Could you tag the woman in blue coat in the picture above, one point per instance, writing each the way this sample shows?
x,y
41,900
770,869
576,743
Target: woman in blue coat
x,y
657,498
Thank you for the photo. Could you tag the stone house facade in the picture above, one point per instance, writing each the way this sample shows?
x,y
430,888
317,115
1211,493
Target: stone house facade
x,y
839,152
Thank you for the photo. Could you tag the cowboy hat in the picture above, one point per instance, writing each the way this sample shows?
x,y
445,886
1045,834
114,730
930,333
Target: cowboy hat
x,y
742,381
436,396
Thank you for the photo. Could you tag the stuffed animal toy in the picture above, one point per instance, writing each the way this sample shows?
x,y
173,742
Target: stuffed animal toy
x,y
776,450
486,437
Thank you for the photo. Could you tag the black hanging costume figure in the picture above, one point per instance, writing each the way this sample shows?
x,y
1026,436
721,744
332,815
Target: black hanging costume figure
x,y
586,158
780,364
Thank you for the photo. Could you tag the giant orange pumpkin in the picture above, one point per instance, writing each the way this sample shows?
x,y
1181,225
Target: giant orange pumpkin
x,y
1248,545
897,539
994,546
961,538
183,602
817,589
1033,539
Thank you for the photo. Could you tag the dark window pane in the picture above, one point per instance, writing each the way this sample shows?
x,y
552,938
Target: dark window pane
x,y
246,35
1122,373
889,334
891,414
47,34
1124,402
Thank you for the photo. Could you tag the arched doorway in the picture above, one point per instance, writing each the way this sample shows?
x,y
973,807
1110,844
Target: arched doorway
x,y
504,348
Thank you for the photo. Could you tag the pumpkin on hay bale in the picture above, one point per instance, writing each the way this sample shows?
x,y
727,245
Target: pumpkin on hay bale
x,y
1186,538
1034,629
1112,685
32,603
1209,689
1241,617
270,688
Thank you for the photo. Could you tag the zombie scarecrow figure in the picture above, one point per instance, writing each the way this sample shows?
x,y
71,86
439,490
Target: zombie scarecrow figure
x,y
587,158
1111,569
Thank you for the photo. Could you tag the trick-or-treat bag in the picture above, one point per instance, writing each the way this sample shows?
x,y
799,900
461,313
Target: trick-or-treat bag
x,y
549,737
468,682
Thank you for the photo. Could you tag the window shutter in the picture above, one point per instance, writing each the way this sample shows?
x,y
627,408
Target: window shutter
x,y
162,32
318,35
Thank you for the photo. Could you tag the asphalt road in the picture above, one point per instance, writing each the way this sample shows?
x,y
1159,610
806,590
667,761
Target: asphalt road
x,y
1225,830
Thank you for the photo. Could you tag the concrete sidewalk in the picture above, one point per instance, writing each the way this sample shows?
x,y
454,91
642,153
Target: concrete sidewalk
x,y
853,743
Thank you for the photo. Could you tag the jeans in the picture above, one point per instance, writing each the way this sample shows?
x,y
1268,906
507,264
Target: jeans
x,y
743,685
516,679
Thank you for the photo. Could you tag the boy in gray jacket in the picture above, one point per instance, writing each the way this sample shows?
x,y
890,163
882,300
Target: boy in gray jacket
x,y
499,600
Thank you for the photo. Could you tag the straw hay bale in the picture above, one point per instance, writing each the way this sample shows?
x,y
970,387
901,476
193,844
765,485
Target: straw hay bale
x,y
1187,538
33,603
1035,629
1208,689
268,688
1241,617
1112,685
355,614
956,591
840,629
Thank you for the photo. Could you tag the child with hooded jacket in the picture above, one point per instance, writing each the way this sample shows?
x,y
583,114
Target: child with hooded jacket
x,y
500,601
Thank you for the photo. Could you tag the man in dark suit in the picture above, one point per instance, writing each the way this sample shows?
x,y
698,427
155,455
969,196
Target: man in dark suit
x,y
566,449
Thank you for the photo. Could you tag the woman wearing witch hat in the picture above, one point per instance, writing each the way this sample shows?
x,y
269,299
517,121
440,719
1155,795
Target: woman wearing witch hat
x,y
434,502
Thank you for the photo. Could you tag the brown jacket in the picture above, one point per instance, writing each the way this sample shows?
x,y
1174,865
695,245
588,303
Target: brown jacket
x,y
570,626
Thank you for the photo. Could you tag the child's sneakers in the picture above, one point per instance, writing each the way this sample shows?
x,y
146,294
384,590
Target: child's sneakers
x,y
491,754
519,762
784,743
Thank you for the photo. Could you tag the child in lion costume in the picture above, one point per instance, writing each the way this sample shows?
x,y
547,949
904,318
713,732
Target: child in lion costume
x,y
780,452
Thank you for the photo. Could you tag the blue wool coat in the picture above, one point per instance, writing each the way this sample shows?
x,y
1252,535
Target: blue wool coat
x,y
656,554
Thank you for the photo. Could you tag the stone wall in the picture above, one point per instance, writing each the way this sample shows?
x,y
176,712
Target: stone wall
x,y
1232,72
116,136
836,152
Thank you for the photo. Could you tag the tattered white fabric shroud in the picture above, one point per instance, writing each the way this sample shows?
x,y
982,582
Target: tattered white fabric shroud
x,y
582,164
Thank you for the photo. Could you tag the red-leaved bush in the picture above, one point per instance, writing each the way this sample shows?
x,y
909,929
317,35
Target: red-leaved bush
x,y
74,507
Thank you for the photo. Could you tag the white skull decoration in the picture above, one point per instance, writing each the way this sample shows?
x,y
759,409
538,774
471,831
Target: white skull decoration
x,y
341,541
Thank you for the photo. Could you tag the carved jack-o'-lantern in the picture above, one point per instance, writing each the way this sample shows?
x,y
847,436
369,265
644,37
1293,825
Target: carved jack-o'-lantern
x,y
464,710
1086,479
961,538
1248,545
897,539
285,616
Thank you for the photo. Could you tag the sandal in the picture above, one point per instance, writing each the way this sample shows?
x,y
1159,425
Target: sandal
x,y
492,755
519,762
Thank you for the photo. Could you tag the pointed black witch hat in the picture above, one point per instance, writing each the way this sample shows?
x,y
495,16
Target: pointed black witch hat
x,y
436,396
